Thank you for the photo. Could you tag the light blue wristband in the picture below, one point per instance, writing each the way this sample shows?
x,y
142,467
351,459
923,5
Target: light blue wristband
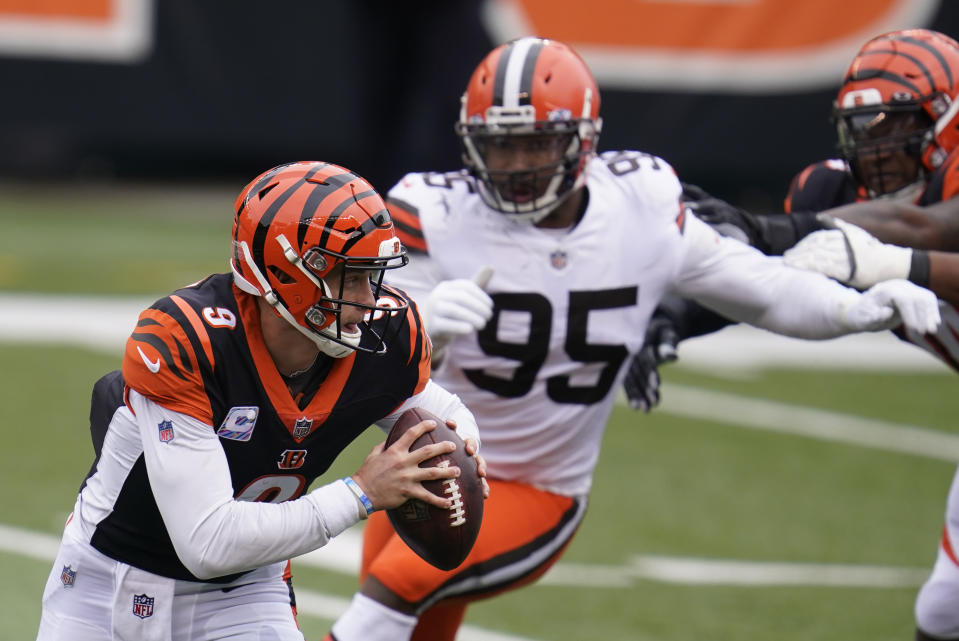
x,y
358,491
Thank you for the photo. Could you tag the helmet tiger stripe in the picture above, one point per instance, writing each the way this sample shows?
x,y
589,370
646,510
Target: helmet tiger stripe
x,y
910,71
297,223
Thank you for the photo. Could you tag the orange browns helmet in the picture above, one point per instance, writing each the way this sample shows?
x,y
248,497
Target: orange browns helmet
x,y
914,71
530,87
294,225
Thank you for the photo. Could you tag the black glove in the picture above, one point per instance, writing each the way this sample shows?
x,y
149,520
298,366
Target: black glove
x,y
642,377
725,218
772,234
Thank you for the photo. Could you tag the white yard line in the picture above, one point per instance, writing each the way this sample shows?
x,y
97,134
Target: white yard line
x,y
105,322
29,544
745,349
753,573
342,556
741,411
93,322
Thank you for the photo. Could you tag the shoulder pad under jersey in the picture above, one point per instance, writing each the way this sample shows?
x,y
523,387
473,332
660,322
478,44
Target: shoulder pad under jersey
x,y
650,181
416,193
167,353
820,186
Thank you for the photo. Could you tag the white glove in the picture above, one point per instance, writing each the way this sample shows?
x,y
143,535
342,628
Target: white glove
x,y
458,306
849,254
885,305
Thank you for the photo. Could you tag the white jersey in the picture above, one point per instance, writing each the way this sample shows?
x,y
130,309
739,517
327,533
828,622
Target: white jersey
x,y
572,305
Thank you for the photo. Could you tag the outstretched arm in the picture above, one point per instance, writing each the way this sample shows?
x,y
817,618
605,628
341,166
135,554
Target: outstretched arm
x,y
851,255
740,283
934,226
944,275
771,234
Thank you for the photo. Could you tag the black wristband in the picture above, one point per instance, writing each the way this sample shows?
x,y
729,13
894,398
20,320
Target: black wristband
x,y
779,232
919,267
776,234
805,223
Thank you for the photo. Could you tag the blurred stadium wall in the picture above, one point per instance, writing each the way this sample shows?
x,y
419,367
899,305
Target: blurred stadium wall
x,y
736,94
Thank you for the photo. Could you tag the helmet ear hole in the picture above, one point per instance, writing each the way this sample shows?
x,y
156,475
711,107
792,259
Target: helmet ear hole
x,y
281,275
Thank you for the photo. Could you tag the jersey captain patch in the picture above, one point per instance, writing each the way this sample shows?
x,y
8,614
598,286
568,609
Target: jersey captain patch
x,y
239,423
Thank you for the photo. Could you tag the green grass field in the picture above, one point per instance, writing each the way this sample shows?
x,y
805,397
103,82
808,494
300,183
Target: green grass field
x,y
666,486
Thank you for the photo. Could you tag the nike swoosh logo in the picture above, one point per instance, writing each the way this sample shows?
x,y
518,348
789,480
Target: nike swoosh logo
x,y
153,367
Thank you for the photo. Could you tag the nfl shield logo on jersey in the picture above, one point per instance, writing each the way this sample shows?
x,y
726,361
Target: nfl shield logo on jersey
x,y
166,431
302,427
558,259
142,605
68,576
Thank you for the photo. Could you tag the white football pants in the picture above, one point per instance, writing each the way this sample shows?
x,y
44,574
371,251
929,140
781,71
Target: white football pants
x,y
91,597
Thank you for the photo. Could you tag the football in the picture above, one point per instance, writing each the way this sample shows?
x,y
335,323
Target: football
x,y
442,538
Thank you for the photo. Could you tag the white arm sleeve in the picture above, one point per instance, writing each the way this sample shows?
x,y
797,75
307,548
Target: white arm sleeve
x,y
212,533
444,404
741,283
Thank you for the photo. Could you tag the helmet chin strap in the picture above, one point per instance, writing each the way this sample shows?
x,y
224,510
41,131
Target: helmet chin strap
x,y
324,343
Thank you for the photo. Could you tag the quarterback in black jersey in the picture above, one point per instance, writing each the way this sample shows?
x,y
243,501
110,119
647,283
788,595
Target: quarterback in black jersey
x,y
235,394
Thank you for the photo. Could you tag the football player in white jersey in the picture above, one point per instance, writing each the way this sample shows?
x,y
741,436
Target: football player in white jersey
x,y
537,269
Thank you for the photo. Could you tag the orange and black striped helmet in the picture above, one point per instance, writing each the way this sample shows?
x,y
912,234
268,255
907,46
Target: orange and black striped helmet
x,y
299,229
902,84
530,87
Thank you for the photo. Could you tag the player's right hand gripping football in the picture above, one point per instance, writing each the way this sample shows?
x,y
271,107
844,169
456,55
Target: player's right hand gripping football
x,y
885,305
390,476
455,307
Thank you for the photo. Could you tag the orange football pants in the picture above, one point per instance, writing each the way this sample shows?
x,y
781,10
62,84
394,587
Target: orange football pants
x,y
524,532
